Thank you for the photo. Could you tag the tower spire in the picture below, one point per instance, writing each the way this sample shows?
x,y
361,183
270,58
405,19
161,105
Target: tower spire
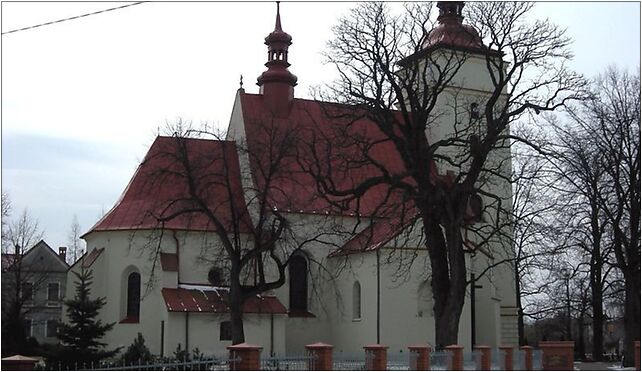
x,y
277,26
277,83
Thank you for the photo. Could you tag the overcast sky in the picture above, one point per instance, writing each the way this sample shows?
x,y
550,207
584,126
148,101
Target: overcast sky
x,y
82,100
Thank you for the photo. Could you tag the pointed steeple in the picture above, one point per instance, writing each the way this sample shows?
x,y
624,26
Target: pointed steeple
x,y
277,82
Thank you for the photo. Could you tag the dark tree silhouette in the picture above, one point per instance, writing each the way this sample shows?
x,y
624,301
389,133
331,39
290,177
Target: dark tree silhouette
x,y
406,80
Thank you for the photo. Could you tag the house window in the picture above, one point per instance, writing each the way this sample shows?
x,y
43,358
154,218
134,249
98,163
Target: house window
x,y
133,295
27,291
53,292
51,326
356,300
225,331
298,284
28,327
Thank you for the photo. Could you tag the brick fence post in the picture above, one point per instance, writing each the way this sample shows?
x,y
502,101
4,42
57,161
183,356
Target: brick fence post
x,y
245,357
637,355
508,357
376,357
320,356
421,362
18,363
528,357
457,361
557,355
485,356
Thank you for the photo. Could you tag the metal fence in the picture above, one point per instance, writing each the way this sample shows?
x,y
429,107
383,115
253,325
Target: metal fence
x,y
401,361
205,364
440,360
348,362
498,360
286,363
472,361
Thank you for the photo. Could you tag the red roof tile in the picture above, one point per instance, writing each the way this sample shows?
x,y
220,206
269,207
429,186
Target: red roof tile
x,y
375,236
159,188
214,301
310,121
91,257
169,261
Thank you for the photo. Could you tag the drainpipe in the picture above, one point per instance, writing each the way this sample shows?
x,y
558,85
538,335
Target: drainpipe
x,y
186,333
378,300
162,344
271,334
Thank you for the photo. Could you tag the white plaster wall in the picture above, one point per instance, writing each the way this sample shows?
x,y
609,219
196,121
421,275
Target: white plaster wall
x,y
204,333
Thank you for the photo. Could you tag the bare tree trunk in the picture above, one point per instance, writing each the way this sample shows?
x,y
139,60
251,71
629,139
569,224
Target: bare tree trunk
x,y
631,319
448,290
597,303
236,307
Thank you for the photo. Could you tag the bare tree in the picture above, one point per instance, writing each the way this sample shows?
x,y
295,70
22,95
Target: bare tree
x,y
76,246
19,280
6,212
608,126
231,188
404,84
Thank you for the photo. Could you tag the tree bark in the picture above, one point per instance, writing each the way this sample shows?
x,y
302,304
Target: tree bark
x,y
236,307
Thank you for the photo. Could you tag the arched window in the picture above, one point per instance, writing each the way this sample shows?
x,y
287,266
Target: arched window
x,y
298,284
356,300
133,295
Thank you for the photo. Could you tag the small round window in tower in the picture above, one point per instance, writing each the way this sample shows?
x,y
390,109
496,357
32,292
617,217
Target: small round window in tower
x,y
215,276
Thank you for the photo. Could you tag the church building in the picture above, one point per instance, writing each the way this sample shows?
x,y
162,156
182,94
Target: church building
x,y
167,280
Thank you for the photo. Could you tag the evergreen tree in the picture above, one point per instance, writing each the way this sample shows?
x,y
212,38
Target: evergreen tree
x,y
137,352
80,338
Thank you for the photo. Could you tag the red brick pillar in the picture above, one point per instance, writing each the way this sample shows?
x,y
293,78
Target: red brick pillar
x,y
528,357
508,357
421,361
637,355
18,363
485,356
457,361
557,355
321,356
376,357
245,357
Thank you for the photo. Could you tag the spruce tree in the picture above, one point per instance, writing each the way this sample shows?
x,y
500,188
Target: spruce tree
x,y
81,337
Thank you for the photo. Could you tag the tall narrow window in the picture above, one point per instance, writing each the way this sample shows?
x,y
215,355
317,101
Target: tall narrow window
x,y
298,284
424,300
356,300
28,327
51,327
27,291
133,295
53,291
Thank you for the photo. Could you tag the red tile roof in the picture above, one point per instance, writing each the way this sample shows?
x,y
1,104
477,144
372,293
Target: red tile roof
x,y
214,301
169,261
321,124
375,236
91,257
159,188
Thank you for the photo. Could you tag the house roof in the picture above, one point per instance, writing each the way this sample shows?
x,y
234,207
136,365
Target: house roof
x,y
9,259
158,194
215,301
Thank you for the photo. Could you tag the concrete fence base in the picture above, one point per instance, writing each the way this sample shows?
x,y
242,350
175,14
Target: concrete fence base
x,y
557,355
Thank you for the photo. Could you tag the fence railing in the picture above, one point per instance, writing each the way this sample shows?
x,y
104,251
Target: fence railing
x,y
348,362
286,363
440,360
374,357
